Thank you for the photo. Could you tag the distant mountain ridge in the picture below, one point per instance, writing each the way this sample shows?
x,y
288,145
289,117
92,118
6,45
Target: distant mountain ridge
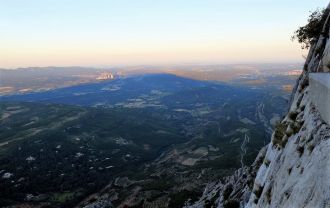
x,y
32,79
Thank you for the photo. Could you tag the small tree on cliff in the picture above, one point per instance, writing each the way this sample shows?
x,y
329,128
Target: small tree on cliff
x,y
309,33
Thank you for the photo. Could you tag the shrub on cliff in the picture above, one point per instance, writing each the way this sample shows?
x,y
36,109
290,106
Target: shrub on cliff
x,y
309,33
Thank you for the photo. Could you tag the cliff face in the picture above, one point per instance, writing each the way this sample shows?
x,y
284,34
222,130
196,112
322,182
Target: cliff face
x,y
295,168
232,191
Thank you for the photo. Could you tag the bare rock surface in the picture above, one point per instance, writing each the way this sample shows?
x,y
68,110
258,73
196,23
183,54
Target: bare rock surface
x,y
294,170
232,190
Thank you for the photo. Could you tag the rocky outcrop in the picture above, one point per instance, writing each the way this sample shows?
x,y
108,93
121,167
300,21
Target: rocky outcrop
x,y
232,191
100,204
299,167
295,170
299,153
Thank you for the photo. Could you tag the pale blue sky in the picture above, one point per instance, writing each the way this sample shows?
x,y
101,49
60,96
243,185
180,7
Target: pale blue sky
x,y
126,32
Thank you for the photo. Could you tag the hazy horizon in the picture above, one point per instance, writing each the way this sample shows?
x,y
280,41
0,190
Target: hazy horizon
x,y
126,33
174,65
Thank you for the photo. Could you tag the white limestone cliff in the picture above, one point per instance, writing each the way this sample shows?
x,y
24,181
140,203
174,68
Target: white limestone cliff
x,y
295,171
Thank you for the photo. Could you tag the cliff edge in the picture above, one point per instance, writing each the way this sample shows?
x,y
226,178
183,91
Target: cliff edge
x,y
293,170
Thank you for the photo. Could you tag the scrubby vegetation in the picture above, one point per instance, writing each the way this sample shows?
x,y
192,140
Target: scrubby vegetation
x,y
279,133
309,33
227,191
310,147
257,192
269,195
179,199
300,150
231,204
267,162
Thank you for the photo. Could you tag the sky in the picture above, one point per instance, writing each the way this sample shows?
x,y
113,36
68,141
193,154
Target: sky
x,y
134,32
